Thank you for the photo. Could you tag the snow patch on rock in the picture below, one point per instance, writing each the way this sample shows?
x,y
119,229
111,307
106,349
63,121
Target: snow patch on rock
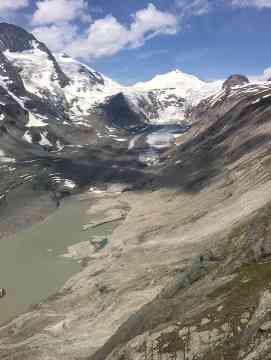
x,y
35,121
4,158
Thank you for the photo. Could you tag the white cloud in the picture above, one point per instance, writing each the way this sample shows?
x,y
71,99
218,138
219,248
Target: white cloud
x,y
150,22
56,37
107,36
53,11
260,4
266,75
12,5
194,7
54,24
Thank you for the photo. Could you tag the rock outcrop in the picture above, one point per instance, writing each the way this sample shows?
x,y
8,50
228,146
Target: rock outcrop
x,y
235,80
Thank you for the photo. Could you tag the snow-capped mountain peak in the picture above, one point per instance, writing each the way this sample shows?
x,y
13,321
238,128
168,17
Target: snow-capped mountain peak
x,y
167,96
173,79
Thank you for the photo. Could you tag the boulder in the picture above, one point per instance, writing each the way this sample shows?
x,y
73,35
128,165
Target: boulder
x,y
3,292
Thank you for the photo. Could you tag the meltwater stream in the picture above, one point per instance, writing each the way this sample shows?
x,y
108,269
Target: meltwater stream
x,y
31,265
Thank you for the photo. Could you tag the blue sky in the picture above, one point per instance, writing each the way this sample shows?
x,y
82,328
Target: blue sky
x,y
133,40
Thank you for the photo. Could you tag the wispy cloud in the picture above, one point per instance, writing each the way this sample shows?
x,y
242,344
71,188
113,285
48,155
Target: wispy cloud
x,y
194,7
12,5
14,11
260,4
53,11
